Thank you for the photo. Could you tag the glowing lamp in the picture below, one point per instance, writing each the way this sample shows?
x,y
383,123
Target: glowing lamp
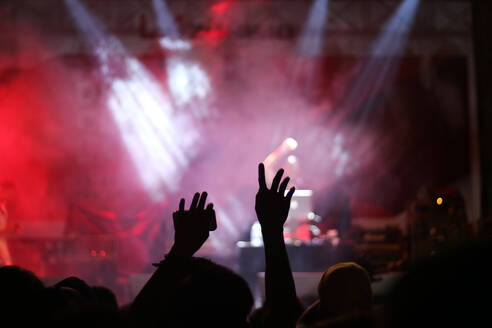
x,y
291,143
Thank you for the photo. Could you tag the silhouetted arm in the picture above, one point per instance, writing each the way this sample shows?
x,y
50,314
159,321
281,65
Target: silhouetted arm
x,y
272,208
191,231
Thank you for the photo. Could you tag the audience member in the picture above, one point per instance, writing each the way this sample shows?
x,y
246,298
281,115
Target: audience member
x,y
345,297
189,292
282,307
18,294
105,298
451,289
78,285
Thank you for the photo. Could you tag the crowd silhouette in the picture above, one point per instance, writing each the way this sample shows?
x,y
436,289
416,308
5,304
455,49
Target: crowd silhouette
x,y
188,291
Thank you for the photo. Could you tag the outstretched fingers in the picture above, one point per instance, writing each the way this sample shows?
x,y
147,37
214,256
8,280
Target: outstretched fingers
x,y
283,186
276,180
203,199
194,202
261,176
179,213
290,193
212,224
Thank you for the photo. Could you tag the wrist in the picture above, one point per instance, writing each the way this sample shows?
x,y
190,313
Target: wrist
x,y
179,252
175,255
272,232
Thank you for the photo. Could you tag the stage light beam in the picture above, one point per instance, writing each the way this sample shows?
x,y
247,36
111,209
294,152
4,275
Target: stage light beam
x,y
378,71
187,80
311,39
384,55
165,20
159,139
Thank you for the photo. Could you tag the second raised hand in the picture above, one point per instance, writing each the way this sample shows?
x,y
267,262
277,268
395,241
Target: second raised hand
x,y
191,228
272,205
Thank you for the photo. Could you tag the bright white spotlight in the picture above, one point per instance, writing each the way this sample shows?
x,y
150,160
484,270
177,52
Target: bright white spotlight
x,y
159,139
172,44
291,143
291,159
187,81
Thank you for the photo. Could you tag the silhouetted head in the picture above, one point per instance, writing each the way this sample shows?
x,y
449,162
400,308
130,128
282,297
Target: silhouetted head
x,y
14,279
344,288
452,289
67,307
256,318
105,298
79,286
345,294
18,290
211,295
58,304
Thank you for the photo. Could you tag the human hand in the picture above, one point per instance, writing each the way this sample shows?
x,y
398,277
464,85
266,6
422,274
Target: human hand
x,y
191,228
272,205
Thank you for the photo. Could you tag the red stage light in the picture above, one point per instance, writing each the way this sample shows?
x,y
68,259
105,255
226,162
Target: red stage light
x,y
93,252
221,7
102,252
213,34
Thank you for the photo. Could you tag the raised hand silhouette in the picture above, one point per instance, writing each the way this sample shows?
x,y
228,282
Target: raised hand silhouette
x,y
187,291
272,205
282,307
191,227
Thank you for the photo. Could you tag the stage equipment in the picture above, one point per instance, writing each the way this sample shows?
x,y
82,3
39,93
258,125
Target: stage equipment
x,y
286,146
436,222
301,208
303,258
383,249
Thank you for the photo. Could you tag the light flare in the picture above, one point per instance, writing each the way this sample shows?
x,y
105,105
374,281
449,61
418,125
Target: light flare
x,y
159,139
187,81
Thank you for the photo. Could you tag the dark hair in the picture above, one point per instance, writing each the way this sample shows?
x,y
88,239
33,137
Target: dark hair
x,y
212,295
78,285
105,298
18,290
447,289
67,307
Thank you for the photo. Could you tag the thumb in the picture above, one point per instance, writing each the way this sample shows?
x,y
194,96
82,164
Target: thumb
x,y
212,224
290,193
